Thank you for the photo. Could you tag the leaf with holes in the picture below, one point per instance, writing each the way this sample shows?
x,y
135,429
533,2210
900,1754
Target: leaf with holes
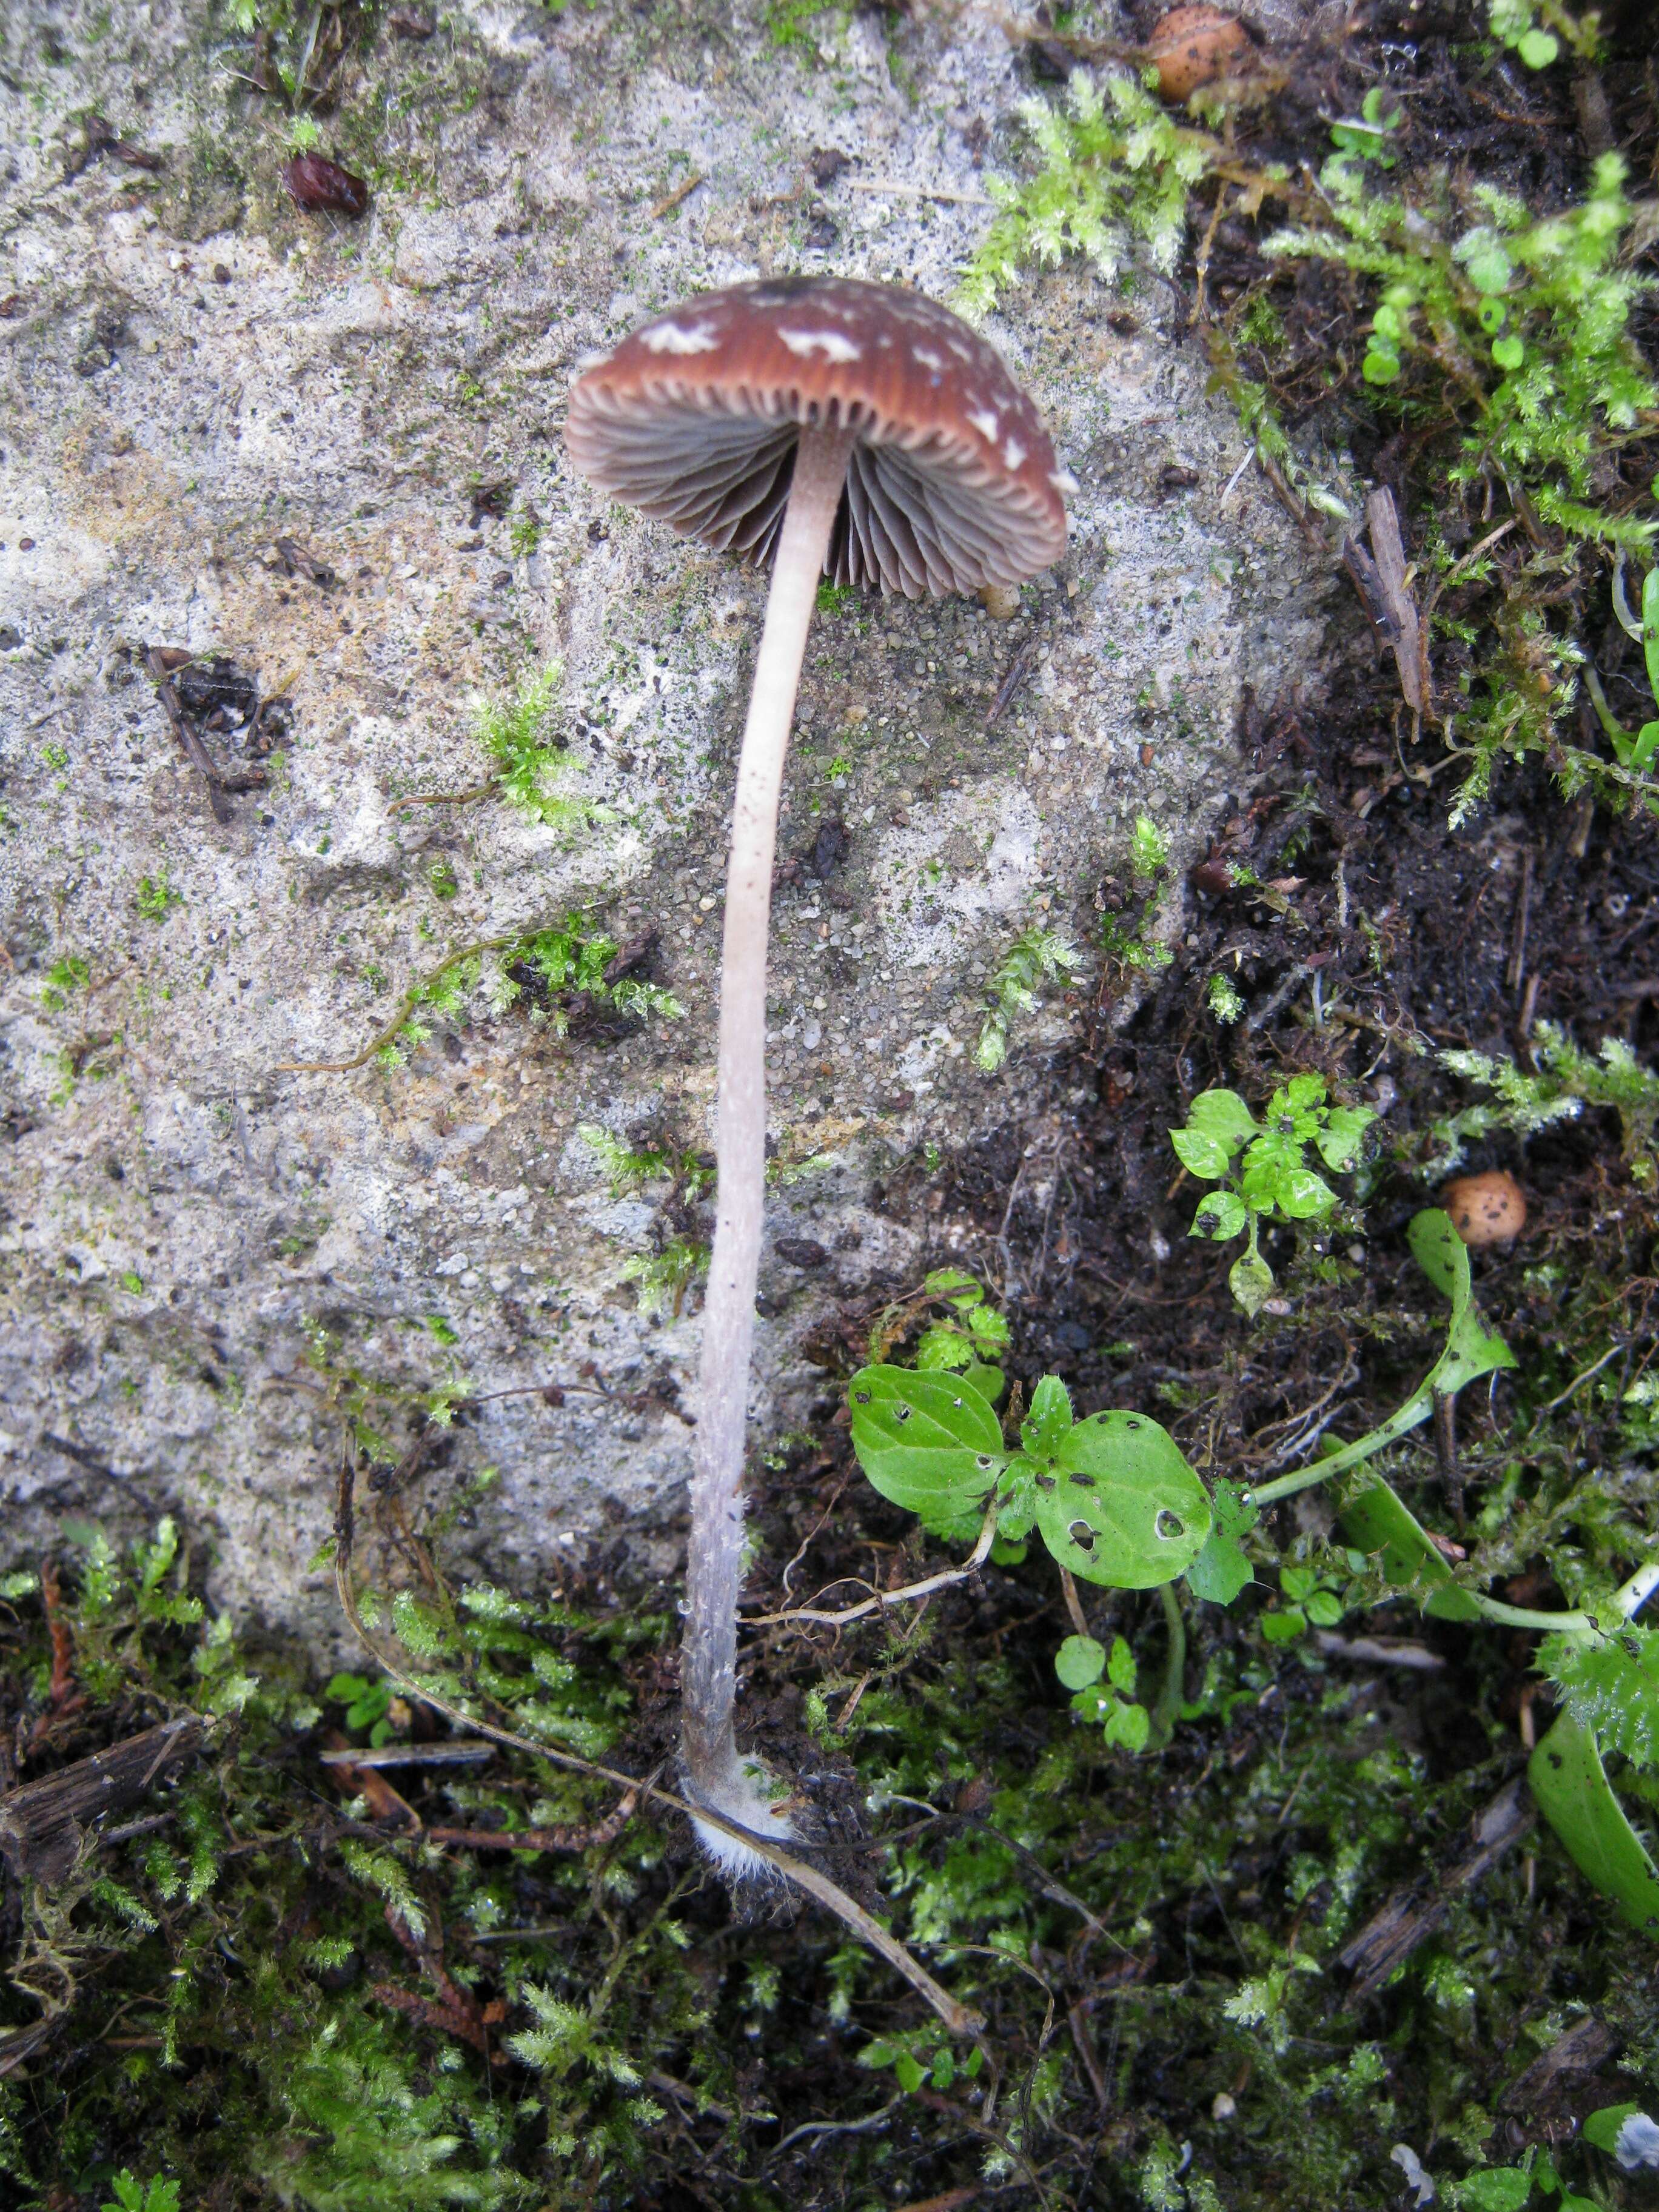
x,y
929,1443
1119,1505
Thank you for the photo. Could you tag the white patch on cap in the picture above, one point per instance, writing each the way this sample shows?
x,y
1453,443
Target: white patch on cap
x,y
1013,452
675,337
831,344
927,357
987,423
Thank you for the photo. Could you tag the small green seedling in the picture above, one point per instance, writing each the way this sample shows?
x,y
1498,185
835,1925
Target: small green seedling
x,y
134,2196
1312,1600
1081,1663
1036,957
156,897
1529,27
1263,1170
920,2061
367,1704
1112,1497
1368,134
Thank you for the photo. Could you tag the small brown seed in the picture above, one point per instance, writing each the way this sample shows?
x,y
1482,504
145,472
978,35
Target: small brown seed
x,y
1485,1209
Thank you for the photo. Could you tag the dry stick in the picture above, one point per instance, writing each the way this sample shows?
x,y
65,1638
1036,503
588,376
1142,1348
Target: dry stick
x,y
1073,1603
970,1565
958,2018
450,798
715,1774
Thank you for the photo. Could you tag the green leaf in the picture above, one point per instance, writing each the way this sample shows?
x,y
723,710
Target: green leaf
x,y
929,1444
1221,1570
1251,1281
1496,2189
1121,1670
1324,1608
1080,1661
956,1284
1538,49
987,1328
1338,1141
1049,1421
1121,1506
1575,1796
1221,1215
907,2073
987,1381
1602,2128
1377,1520
1472,1349
1219,1124
1129,1727
1508,352
1017,1490
942,1348
1285,1626
1275,1176
1201,1155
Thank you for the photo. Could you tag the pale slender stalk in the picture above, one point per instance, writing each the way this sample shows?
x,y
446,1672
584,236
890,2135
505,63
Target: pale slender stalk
x,y
715,1774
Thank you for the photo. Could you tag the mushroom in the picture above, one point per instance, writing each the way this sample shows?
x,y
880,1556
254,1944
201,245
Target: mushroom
x,y
1486,1209
832,428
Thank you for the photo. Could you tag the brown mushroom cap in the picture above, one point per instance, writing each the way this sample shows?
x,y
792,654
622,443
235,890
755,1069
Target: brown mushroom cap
x,y
952,484
1485,1209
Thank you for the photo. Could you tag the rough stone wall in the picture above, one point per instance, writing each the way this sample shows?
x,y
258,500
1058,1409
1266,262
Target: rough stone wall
x,y
193,370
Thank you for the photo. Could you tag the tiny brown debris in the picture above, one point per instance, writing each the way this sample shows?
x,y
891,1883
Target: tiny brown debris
x,y
294,561
801,1252
315,182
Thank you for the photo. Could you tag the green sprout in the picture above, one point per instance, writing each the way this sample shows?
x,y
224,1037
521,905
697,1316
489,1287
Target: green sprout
x,y
661,1278
155,896
1039,956
1262,1168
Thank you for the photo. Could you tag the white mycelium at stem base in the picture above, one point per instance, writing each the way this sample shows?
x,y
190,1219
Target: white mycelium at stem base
x,y
716,1774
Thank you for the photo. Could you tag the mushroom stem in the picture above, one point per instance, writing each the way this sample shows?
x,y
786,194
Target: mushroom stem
x,y
716,1775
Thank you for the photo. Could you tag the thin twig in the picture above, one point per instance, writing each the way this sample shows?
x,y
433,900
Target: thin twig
x,y
450,798
916,192
970,1565
683,191
1073,1603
